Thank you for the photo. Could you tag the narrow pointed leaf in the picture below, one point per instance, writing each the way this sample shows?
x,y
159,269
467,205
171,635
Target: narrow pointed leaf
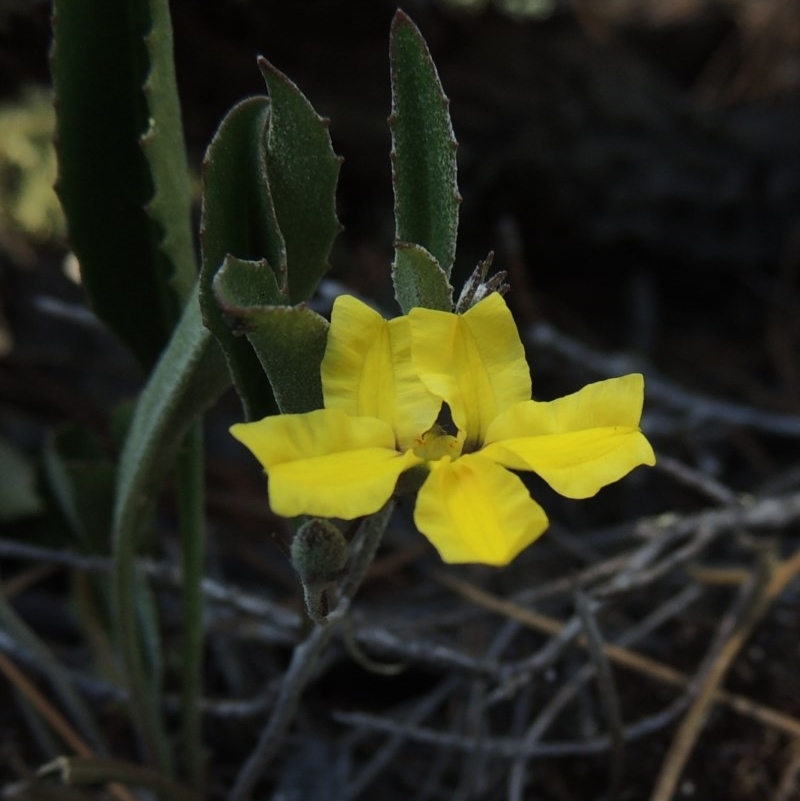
x,y
239,219
302,171
18,492
164,148
419,280
80,480
100,64
289,340
423,148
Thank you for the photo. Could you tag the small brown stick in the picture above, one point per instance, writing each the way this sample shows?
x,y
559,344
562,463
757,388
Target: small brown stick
x,y
622,656
790,778
766,592
55,719
44,708
83,770
26,579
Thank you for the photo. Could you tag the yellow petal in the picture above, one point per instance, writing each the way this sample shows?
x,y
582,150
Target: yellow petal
x,y
367,371
346,485
475,511
325,463
578,443
474,361
613,402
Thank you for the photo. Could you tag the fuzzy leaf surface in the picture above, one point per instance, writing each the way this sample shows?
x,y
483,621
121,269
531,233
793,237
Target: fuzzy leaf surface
x,y
289,340
188,378
419,280
302,171
423,148
239,219
164,148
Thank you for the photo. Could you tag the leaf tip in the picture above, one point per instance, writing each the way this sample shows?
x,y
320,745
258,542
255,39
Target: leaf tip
x,y
400,17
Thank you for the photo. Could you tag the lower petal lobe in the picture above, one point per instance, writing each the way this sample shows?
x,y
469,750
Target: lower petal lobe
x,y
473,510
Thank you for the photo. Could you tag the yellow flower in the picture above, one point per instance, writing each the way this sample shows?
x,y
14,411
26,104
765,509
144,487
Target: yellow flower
x,y
385,384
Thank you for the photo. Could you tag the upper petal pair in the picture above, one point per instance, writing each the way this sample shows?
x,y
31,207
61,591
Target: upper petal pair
x,y
475,361
367,371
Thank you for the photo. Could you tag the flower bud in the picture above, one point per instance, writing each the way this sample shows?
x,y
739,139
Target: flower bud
x,y
319,554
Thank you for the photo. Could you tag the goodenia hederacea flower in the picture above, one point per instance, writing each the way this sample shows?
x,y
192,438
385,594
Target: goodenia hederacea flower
x,y
385,384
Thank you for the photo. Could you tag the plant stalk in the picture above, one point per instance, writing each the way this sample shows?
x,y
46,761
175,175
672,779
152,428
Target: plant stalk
x,y
191,501
306,655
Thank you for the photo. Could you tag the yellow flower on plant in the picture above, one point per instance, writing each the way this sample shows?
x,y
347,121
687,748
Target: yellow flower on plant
x,y
385,383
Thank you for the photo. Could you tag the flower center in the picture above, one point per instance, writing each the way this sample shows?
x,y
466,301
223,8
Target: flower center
x,y
435,444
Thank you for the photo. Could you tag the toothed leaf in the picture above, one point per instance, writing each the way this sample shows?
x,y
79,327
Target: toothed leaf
x,y
100,64
163,144
239,219
302,171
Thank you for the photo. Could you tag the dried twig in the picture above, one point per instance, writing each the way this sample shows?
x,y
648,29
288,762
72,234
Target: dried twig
x,y
766,587
696,409
306,655
55,720
622,656
512,747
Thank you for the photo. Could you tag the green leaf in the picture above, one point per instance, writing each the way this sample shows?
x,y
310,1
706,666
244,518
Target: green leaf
x,y
269,200
100,64
419,280
289,340
303,171
423,148
163,144
18,494
190,375
58,676
81,480
239,219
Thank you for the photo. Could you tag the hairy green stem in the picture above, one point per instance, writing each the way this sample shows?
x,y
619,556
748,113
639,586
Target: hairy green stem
x,y
190,375
191,502
129,600
306,655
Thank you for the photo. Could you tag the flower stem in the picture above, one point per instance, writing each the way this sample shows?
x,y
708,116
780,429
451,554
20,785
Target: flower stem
x,y
191,506
306,656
